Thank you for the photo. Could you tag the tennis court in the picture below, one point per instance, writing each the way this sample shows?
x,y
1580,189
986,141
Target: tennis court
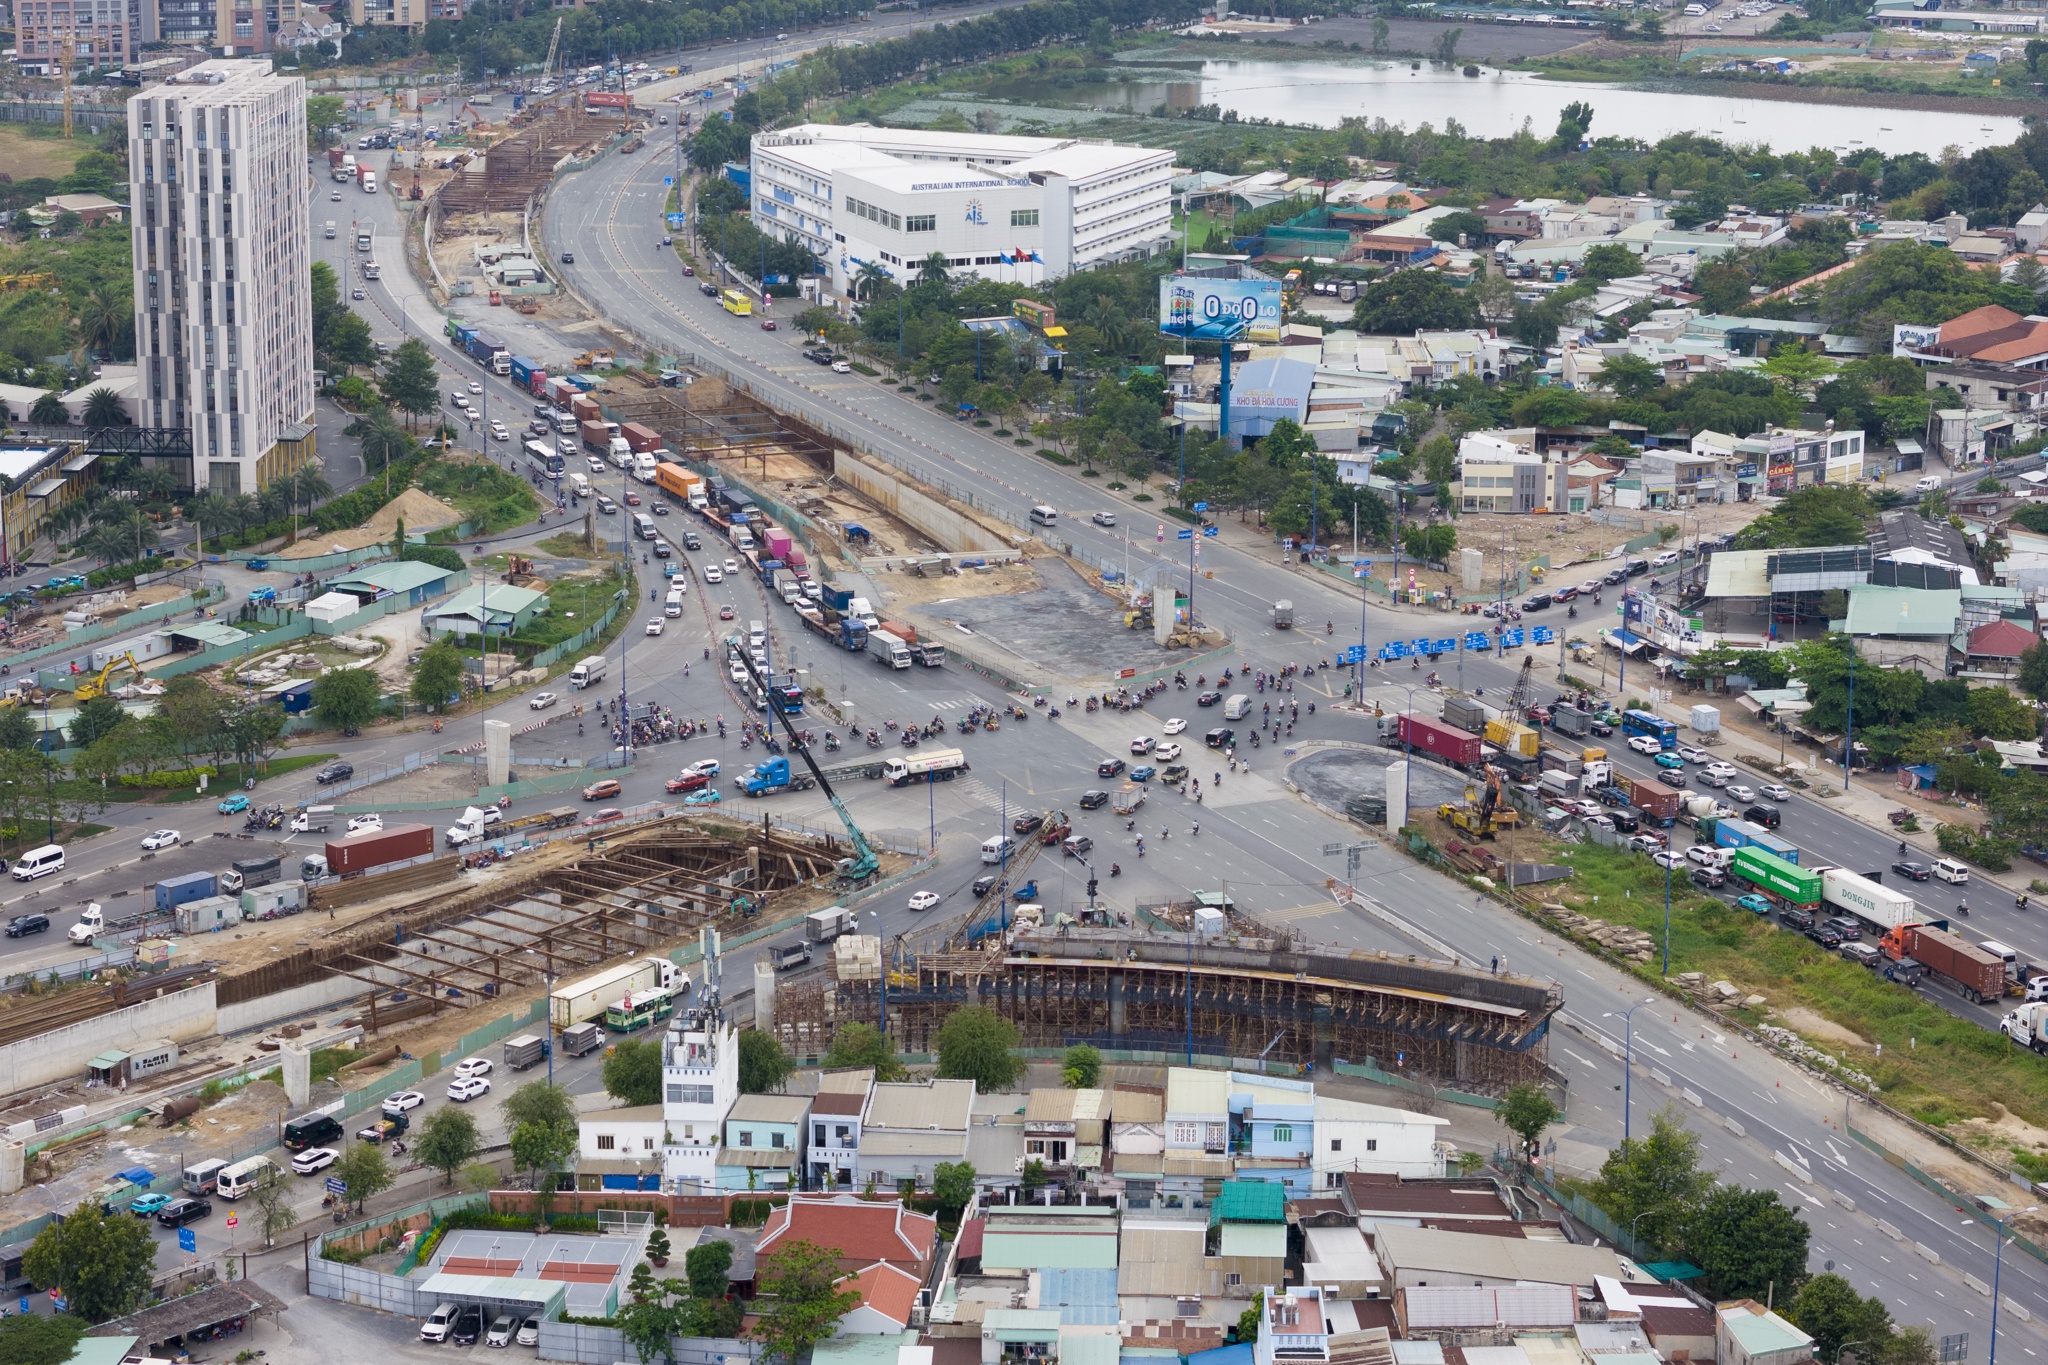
x,y
589,1268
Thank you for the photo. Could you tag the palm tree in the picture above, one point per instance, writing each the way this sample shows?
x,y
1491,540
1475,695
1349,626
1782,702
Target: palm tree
x,y
66,517
867,277
122,538
209,512
49,411
383,439
103,316
275,499
103,409
310,485
157,482
933,271
245,511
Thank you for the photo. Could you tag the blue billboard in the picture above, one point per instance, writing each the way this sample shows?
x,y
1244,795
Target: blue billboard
x,y
1211,310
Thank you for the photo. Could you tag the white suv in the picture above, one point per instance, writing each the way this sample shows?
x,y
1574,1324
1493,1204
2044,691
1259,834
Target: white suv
x,y
435,1328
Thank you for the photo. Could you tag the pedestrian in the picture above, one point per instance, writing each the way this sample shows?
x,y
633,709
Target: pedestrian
x,y
1496,964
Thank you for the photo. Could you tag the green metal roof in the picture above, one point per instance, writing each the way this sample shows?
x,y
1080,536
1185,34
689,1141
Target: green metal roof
x,y
1050,1249
1253,1239
398,576
1250,1201
1877,610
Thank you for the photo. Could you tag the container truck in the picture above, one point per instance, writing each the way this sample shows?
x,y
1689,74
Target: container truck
x,y
347,167
527,373
674,479
594,434
822,926
1771,843
640,437
1511,737
173,892
1868,900
372,849
1782,883
845,633
245,872
929,765
1730,832
1958,963
930,653
578,1002
369,179
2028,1024
584,408
488,352
775,775
1445,743
886,649
1570,720
644,465
526,1050
779,542
1655,800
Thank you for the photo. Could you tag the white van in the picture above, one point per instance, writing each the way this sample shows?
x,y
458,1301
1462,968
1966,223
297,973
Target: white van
x,y
996,849
1238,707
244,1176
1043,515
39,862
2007,955
674,605
1706,855
1947,869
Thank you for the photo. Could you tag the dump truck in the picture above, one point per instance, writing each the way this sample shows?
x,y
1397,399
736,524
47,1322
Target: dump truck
x,y
1283,615
1445,743
245,872
929,765
1956,962
1570,720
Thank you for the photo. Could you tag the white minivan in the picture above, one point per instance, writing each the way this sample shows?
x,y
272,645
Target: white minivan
x,y
39,862
996,849
1947,869
674,605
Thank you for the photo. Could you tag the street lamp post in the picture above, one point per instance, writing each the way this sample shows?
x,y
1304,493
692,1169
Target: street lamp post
x,y
1998,1226
1628,1057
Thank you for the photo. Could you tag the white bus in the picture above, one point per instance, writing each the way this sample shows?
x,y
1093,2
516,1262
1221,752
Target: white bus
x,y
244,1176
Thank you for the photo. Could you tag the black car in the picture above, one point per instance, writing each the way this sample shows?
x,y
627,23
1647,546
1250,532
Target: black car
x,y
1912,871
1849,929
1537,602
708,290
1708,878
1626,823
690,541
21,926
1219,737
1767,816
1797,920
1208,699
1109,767
179,1212
467,1327
1026,821
1826,936
1602,728
568,258
1636,568
982,885
1671,777
1615,577
1094,800
335,772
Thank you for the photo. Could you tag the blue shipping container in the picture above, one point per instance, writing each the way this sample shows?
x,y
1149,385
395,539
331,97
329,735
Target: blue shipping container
x,y
1733,833
173,892
298,698
522,370
1773,845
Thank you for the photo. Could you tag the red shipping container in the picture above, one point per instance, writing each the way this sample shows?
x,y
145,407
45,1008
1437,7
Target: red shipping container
x,y
607,99
596,435
1974,972
376,848
585,408
1446,742
640,438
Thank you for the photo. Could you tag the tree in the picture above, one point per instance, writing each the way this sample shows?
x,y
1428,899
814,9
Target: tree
x,y
1248,1320
1748,1242
18,729
447,1141
542,1121
347,698
409,382
103,1262
324,114
953,1187
1526,1111
706,1265
1409,301
1102,39
95,719
633,1072
38,1339
103,409
49,411
800,1284
1464,222
2033,675
1628,375
1572,122
1082,1068
1797,368
1447,46
1380,30
1830,1311
1609,261
862,1045
365,1171
649,1319
274,1212
1723,287
977,1044
438,676
1654,1184
764,1066
383,439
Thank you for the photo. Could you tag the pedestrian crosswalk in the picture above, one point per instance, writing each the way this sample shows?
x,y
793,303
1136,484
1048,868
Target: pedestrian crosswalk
x,y
979,792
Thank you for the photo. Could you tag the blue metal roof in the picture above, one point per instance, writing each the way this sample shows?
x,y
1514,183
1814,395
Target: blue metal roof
x,y
1084,1298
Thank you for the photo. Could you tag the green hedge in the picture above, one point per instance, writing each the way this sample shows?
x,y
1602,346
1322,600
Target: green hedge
x,y
184,777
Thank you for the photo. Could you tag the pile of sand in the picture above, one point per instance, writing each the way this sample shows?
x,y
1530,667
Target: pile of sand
x,y
420,511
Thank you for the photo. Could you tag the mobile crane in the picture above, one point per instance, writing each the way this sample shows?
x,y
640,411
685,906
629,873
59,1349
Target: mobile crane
x,y
863,866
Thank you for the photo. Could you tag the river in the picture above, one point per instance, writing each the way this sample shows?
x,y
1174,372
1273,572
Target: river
x,y
1495,104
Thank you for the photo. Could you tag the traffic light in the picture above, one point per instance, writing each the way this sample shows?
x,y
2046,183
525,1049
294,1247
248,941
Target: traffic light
x,y
1091,888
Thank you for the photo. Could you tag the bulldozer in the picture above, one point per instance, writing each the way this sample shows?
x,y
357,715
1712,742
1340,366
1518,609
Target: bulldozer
x,y
96,685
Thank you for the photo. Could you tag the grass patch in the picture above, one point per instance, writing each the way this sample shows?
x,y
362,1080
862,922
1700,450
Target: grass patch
x,y
27,151
329,1060
1936,1066
1056,457
231,778
867,370
568,546
486,495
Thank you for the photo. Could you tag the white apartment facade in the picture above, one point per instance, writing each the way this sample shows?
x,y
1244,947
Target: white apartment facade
x,y
700,1078
1022,210
222,229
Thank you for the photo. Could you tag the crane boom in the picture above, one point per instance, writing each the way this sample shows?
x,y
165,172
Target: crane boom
x,y
863,864
547,67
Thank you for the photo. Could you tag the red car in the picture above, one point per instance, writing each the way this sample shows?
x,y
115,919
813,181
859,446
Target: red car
x,y
632,498
767,324
597,791
607,815
688,782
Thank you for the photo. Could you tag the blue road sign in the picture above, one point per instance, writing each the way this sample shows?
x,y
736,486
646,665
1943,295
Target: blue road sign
x,y
1201,507
1445,646
678,219
187,1240
1352,654
1209,531
1184,535
1476,639
335,1185
1511,639
1421,646
1545,635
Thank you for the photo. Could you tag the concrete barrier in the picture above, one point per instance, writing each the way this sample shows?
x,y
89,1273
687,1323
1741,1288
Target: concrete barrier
x,y
1977,1284
1736,1128
1888,1230
62,1054
1927,1253
1692,1097
2018,1310
897,495
1844,1200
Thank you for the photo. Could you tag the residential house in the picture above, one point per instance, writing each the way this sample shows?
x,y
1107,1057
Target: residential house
x,y
620,1149
1019,1238
1375,1198
1135,1161
2031,229
1351,1136
1272,1129
1506,471
1293,1329
862,1231
1984,385
1994,650
1990,334
1974,435
909,1128
1160,1257
1058,1124
1459,1315
700,1074
507,609
1197,1134
1247,1242
1339,1257
764,1142
93,208
890,1301
1415,1256
835,1126
1747,1333
1903,627
1676,478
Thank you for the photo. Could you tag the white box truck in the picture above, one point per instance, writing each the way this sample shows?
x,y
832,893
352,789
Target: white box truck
x,y
578,1002
587,672
1867,900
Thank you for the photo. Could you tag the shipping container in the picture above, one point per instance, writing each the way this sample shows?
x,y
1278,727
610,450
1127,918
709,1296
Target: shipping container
x,y
577,1002
1511,737
779,542
1867,900
207,914
1653,799
608,101
640,437
524,368
584,408
1776,878
1445,743
173,892
1732,833
371,849
1959,963
1772,844
596,435
269,902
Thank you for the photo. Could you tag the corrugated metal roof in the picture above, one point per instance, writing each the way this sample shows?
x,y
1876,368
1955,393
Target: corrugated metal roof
x,y
1250,1201
1055,1248
1253,1239
1159,1259
1086,1297
402,576
1189,1091
1739,573
1914,612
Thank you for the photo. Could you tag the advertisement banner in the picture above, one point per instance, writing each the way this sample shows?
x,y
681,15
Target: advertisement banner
x,y
1909,339
1209,310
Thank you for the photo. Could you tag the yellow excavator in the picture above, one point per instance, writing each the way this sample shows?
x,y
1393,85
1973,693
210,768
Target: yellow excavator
x,y
1484,814
96,685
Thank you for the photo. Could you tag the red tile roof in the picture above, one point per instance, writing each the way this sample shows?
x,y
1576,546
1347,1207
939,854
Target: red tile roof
x,y
827,1102
887,1290
862,1231
2002,640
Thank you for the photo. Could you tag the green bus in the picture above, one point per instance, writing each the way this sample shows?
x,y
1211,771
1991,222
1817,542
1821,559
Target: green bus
x,y
640,1009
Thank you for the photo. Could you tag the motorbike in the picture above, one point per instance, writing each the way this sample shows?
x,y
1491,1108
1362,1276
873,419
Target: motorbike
x,y
991,724
1963,910
874,740
910,739
1053,714
831,743
1116,870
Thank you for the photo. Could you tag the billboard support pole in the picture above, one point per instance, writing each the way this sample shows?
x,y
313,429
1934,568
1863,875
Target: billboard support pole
x,y
1223,403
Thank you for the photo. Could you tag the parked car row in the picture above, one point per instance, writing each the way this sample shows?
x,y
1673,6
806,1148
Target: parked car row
x,y
463,1324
